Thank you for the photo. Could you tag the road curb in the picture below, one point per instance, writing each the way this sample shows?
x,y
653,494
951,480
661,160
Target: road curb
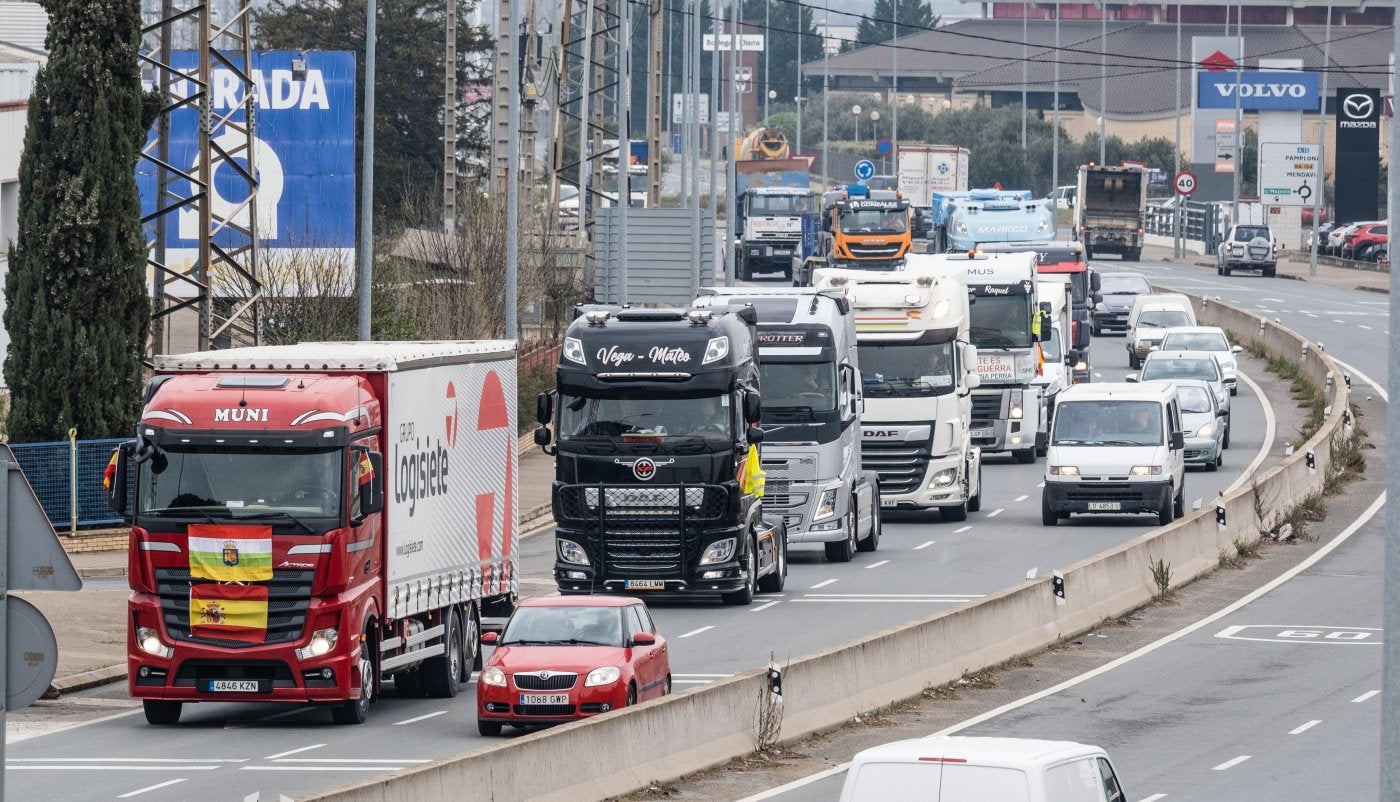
x,y
85,680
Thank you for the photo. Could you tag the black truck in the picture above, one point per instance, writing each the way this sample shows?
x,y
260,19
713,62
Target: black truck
x,y
655,438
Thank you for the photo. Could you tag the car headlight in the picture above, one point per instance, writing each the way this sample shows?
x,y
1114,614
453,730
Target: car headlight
x,y
606,675
826,505
149,641
1206,431
322,643
944,478
1145,470
1064,470
571,552
494,676
719,551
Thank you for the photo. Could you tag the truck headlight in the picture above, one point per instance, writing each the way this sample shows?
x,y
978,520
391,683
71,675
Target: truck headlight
x,y
944,478
717,349
149,641
493,676
1017,404
1064,470
573,350
826,505
718,552
322,643
571,552
606,675
1146,470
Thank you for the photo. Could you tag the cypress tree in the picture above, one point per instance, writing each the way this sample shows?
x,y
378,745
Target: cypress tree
x,y
76,304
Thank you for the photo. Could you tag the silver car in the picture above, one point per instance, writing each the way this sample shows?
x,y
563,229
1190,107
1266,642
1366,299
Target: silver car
x,y
1206,338
1174,366
1204,423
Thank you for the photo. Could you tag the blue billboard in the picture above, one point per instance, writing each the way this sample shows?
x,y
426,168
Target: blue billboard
x,y
1258,91
304,150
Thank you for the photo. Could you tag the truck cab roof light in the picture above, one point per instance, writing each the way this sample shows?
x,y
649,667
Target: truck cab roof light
x,y
700,317
597,317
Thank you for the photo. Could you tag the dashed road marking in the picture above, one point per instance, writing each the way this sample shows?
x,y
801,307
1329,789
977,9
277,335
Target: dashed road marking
x,y
878,564
294,751
1231,763
994,513
1022,498
824,584
417,719
1305,727
697,631
961,529
1363,697
922,546
130,794
763,607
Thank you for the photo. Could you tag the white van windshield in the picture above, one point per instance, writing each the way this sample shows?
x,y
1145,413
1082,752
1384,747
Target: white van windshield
x,y
1108,423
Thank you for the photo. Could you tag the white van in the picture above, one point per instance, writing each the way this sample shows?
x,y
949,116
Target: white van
x,y
1149,320
951,768
1116,448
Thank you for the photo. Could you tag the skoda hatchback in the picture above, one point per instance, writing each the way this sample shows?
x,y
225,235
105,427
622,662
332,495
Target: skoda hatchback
x,y
562,658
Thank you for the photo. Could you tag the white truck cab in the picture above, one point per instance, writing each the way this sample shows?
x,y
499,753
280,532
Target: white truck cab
x,y
953,768
1116,448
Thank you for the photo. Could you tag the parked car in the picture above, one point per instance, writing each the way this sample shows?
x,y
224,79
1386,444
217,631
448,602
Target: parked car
x,y
563,658
1248,246
1064,196
1321,235
1334,239
1118,291
1172,366
1206,338
1360,243
1201,420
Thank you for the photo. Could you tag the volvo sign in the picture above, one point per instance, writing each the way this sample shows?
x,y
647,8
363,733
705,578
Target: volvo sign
x,y
1258,91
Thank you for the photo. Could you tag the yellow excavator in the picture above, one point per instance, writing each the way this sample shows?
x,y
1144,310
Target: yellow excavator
x,y
763,144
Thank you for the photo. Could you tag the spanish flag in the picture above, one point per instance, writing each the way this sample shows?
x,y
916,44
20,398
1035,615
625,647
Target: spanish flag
x,y
366,470
226,553
110,472
229,612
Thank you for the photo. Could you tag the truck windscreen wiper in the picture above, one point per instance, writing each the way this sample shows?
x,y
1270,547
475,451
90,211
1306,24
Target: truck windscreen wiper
x,y
277,514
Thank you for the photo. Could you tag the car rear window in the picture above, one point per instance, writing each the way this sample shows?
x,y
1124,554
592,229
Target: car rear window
x,y
1124,285
1250,232
1168,369
968,783
895,782
1195,341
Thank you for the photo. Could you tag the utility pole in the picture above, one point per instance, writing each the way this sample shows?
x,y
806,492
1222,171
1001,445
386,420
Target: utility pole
x,y
1055,143
1025,70
736,129
529,94
367,177
512,174
1103,83
1239,127
501,91
449,121
1322,148
798,98
654,105
767,43
894,87
826,93
624,142
1176,155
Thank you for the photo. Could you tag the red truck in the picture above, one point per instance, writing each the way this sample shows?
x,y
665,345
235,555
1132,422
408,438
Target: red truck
x,y
311,520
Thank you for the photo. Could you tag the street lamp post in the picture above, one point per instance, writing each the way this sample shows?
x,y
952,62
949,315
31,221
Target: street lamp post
x,y
855,110
772,94
875,118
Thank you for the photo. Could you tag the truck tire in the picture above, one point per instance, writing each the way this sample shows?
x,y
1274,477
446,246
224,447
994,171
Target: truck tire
x,y
842,551
440,673
356,711
1225,270
1225,441
974,504
745,274
774,582
471,642
871,541
1133,361
744,596
161,712
1047,515
959,512
1024,456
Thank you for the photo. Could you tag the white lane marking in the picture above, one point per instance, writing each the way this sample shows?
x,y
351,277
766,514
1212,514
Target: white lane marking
x,y
697,631
1098,375
960,530
925,544
1231,763
760,608
352,760
994,513
1022,498
1334,320
1154,798
824,584
139,791
127,760
1031,574
705,676
15,738
322,768
1363,697
795,784
1042,484
878,564
1304,728
417,719
1268,443
294,751
110,768
1363,326
1385,396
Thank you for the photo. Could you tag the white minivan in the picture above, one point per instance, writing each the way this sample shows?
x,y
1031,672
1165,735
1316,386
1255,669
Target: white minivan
x,y
1149,320
953,768
1116,448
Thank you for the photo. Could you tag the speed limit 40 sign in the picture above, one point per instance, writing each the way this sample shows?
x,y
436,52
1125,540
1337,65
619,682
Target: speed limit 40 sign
x,y
1185,182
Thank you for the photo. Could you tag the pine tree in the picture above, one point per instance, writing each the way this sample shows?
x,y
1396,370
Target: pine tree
x,y
914,16
76,304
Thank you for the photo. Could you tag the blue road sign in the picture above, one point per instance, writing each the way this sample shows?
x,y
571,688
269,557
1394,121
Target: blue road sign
x,y
884,146
865,170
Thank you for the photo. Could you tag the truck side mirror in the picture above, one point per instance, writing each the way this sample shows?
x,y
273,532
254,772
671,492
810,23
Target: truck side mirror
x,y
542,436
1045,308
372,499
973,380
753,407
114,478
1095,283
544,407
1071,357
755,435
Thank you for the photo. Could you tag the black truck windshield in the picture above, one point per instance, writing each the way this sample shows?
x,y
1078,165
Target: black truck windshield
x,y
1001,321
237,483
620,421
906,370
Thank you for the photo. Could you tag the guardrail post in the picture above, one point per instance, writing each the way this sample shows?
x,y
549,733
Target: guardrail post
x,y
73,481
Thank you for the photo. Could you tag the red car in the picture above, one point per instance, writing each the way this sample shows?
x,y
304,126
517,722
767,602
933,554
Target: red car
x,y
1358,244
562,658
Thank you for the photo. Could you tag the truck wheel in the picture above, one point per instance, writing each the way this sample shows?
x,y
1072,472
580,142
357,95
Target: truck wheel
x,y
471,643
440,673
744,596
842,551
1133,361
1225,271
1025,456
356,711
959,512
162,713
871,541
1164,515
774,582
974,504
1047,515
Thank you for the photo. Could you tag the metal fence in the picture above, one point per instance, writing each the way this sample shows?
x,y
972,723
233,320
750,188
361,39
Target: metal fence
x,y
67,478
1200,222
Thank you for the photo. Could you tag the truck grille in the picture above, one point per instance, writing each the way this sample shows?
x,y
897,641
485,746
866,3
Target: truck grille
x,y
288,598
1124,492
793,469
874,251
534,682
641,531
986,407
901,466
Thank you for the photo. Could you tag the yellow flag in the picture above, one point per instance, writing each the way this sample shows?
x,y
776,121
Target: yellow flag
x,y
754,477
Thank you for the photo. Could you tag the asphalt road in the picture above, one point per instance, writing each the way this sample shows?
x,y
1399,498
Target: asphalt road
x,y
1277,697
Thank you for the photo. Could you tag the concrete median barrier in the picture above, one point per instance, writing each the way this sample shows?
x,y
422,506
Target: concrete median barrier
x,y
668,738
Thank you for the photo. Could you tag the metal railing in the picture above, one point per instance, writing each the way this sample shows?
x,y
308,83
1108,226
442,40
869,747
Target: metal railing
x,y
67,477
1200,222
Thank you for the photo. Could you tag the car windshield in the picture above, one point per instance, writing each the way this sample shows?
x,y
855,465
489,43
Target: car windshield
x,y
1196,341
564,626
1108,423
1164,318
704,419
239,483
906,370
1193,398
1124,285
875,221
1169,369
1246,233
